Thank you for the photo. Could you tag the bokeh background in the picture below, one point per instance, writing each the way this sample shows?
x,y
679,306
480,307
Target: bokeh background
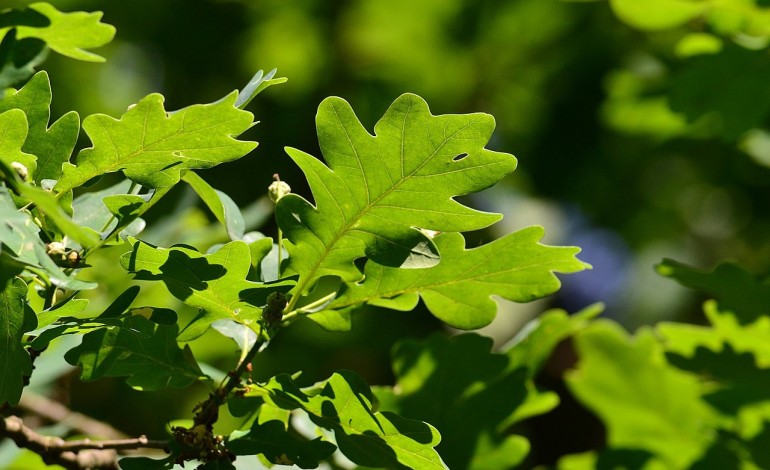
x,y
633,143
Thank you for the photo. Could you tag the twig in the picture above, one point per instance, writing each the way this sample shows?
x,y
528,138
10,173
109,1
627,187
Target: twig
x,y
73,455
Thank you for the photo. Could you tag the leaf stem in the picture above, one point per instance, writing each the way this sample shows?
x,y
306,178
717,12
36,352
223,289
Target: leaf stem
x,y
311,306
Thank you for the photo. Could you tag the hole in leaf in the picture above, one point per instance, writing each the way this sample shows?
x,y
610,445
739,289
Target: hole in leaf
x,y
459,157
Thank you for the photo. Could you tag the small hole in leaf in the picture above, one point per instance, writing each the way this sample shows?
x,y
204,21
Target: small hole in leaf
x,y
459,157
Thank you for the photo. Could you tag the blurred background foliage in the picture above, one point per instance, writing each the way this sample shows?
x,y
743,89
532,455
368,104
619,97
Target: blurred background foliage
x,y
641,130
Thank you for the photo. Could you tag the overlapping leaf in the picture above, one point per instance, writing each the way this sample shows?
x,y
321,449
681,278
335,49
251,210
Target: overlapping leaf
x,y
13,133
516,267
52,146
214,283
69,34
272,440
152,146
145,352
377,189
645,403
368,438
15,320
19,235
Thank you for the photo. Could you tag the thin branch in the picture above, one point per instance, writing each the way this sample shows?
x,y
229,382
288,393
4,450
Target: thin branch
x,y
73,455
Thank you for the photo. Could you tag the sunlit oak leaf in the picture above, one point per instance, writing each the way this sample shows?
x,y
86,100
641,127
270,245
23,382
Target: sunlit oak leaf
x,y
458,290
15,320
645,403
377,190
344,404
51,145
152,146
13,133
70,34
215,283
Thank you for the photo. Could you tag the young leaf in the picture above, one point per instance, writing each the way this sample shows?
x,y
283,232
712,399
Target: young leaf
x,y
457,291
377,189
152,146
368,438
214,283
52,146
13,133
70,34
259,82
110,209
15,320
143,351
220,204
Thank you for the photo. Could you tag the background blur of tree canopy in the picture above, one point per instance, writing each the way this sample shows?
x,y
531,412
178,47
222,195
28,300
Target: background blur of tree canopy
x,y
641,128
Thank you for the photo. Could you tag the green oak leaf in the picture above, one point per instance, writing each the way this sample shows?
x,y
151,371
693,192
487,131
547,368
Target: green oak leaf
x,y
377,190
736,290
220,204
645,403
152,146
458,290
280,447
214,283
15,320
69,34
344,405
13,133
52,145
145,352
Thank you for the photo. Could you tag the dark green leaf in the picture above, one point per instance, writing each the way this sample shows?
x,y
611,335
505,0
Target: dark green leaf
x,y
440,380
145,352
374,439
15,320
279,446
737,290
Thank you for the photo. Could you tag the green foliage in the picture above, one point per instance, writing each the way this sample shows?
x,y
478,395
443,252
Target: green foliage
x,y
383,226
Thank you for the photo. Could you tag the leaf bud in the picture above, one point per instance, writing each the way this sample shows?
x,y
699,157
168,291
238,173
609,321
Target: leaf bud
x,y
55,249
21,170
277,189
273,311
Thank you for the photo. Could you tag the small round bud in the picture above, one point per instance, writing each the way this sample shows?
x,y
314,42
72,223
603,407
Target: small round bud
x,y
277,189
273,311
21,170
55,249
73,258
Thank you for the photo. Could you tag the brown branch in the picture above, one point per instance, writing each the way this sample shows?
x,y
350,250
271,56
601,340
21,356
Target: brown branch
x,y
73,455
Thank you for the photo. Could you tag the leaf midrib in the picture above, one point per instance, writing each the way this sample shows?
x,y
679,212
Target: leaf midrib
x,y
305,280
